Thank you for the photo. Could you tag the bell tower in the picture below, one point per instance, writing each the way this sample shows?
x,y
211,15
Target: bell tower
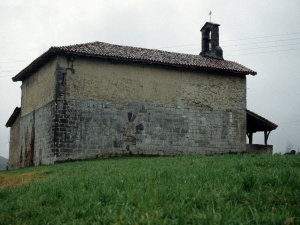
x,y
210,41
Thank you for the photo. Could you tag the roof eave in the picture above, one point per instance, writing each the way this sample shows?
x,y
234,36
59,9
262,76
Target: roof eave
x,y
13,117
34,65
209,23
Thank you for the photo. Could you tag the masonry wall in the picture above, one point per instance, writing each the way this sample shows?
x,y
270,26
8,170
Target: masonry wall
x,y
37,136
14,145
126,109
37,127
88,129
259,149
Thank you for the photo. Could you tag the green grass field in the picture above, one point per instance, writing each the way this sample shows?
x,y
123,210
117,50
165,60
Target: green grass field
x,y
221,189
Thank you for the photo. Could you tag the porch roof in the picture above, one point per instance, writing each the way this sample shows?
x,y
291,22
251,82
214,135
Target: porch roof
x,y
256,123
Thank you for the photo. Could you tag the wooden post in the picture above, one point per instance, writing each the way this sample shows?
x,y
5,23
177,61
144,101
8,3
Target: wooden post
x,y
250,136
266,136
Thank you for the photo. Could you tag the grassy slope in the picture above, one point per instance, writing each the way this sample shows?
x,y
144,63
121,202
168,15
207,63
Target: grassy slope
x,y
222,189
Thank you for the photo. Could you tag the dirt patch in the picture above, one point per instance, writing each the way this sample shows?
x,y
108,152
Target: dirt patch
x,y
13,180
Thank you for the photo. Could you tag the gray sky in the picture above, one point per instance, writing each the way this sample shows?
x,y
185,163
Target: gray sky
x,y
262,35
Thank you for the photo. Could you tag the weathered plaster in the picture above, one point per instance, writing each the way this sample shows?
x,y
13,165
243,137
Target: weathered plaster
x,y
39,88
120,83
214,90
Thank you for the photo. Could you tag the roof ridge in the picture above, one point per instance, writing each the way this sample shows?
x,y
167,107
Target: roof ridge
x,y
133,47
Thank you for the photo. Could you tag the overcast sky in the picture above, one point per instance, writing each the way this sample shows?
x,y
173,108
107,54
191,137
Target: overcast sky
x,y
262,35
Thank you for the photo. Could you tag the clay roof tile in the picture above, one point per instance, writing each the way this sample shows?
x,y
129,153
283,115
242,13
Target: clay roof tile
x,y
101,49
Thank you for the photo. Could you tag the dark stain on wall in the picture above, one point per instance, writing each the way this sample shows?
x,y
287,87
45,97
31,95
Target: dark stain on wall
x,y
29,144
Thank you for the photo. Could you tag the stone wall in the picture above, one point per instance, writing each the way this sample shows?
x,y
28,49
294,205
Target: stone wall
x,y
259,149
14,145
89,129
37,136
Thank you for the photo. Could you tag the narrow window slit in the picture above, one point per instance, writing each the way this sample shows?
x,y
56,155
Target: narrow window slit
x,y
63,79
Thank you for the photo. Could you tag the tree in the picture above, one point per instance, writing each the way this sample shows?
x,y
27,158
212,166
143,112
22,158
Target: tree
x,y
289,147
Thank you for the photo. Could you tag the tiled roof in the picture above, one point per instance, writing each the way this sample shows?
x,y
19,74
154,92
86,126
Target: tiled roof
x,y
127,53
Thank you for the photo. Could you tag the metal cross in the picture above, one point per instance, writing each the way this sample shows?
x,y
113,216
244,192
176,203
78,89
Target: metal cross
x,y
210,16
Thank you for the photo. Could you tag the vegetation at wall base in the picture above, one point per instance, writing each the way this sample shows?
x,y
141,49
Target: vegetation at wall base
x,y
221,189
